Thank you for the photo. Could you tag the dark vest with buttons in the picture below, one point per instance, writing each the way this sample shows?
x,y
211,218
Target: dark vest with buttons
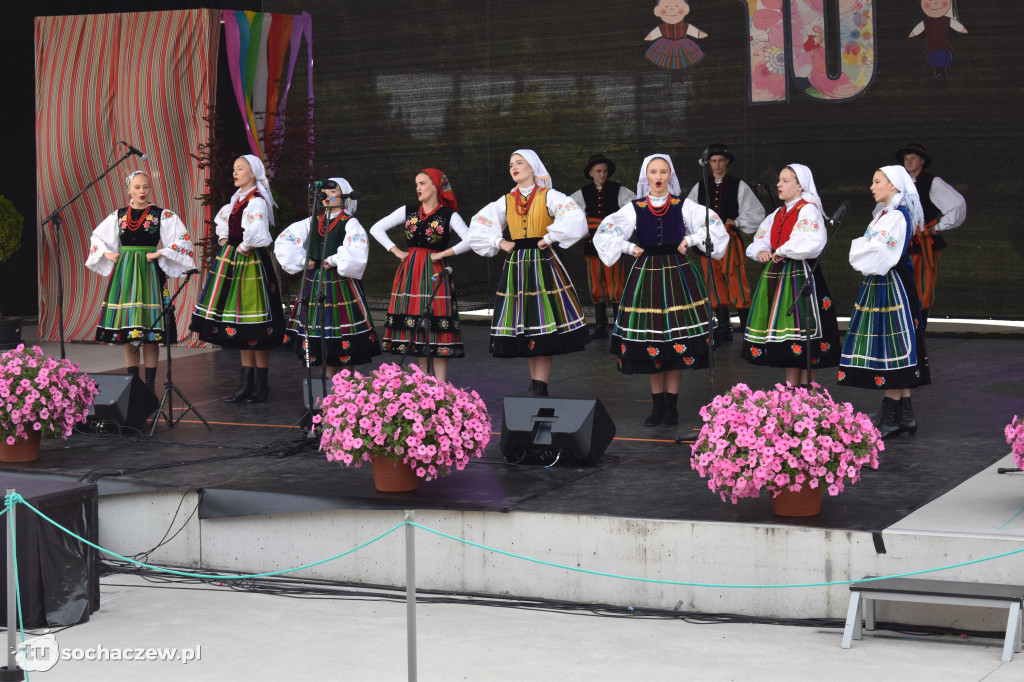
x,y
725,197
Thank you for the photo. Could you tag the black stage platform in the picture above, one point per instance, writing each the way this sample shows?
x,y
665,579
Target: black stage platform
x,y
256,461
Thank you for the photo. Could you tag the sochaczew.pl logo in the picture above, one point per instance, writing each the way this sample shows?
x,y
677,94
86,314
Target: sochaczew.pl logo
x,y
39,654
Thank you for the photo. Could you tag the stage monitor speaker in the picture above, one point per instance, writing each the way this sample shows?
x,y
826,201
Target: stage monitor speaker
x,y
552,431
318,391
123,399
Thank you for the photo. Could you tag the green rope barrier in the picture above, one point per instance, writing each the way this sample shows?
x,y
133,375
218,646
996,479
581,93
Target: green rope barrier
x,y
722,586
658,581
19,499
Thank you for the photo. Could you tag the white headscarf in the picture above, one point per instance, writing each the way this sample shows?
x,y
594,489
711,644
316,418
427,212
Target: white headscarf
x,y
906,195
131,176
643,186
806,180
346,188
540,173
262,185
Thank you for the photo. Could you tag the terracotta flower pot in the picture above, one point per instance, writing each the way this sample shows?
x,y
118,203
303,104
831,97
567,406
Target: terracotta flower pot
x,y
805,503
392,476
23,450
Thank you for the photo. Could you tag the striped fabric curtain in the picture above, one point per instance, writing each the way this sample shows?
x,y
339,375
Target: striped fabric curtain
x,y
145,78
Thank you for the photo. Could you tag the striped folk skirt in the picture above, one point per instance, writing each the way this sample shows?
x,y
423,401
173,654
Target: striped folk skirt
x,y
240,306
674,54
776,337
884,346
663,317
409,296
536,311
135,295
343,331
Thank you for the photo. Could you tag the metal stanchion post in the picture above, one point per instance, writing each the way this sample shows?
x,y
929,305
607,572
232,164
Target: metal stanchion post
x,y
11,671
410,591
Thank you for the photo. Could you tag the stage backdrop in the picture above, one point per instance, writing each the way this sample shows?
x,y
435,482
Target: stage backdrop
x,y
836,84
145,78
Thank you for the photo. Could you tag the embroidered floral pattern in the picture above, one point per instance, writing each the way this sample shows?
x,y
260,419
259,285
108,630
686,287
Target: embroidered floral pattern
x,y
688,360
679,348
879,380
806,225
841,375
797,349
652,351
755,352
826,303
825,345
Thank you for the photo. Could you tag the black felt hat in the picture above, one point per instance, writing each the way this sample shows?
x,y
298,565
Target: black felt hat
x,y
596,159
914,148
720,150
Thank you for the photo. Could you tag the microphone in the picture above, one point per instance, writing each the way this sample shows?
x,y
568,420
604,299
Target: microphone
x,y
443,273
354,195
193,271
703,160
837,217
137,152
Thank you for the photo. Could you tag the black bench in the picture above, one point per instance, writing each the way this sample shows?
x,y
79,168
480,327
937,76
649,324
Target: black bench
x,y
863,596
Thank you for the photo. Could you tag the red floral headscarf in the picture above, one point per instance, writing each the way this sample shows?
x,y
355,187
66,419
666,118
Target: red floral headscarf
x,y
444,188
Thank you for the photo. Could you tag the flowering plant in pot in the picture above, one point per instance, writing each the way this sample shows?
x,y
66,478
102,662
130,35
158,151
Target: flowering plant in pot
x,y
42,396
783,439
402,418
1015,439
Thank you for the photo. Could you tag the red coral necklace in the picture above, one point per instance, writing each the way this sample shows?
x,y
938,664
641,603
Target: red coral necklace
x,y
132,224
662,210
523,203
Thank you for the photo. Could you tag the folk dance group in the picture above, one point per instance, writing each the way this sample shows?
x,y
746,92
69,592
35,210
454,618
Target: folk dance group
x,y
660,320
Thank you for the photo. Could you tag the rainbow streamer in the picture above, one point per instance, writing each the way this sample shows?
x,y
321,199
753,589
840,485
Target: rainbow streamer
x,y
257,45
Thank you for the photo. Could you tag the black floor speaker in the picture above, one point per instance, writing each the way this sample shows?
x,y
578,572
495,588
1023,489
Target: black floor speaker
x,y
555,431
318,391
123,399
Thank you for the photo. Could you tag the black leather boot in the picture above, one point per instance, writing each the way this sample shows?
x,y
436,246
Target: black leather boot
x,y
244,387
671,416
907,421
601,320
724,330
132,371
261,388
659,410
539,388
888,418
151,378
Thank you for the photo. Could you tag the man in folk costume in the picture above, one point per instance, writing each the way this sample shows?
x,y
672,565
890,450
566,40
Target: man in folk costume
x,y
944,209
599,199
738,207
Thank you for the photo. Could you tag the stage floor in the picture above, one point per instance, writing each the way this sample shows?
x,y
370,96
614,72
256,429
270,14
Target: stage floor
x,y
256,460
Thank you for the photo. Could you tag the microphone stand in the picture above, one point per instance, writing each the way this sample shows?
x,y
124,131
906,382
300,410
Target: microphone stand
x,y
805,291
423,322
301,312
56,220
166,314
711,286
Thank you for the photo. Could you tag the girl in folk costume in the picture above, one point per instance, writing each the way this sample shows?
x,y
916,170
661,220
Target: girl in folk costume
x,y
662,325
428,230
788,241
884,346
240,306
128,246
334,266
536,312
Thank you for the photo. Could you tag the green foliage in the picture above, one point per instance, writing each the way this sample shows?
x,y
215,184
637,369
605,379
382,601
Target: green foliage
x,y
11,225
